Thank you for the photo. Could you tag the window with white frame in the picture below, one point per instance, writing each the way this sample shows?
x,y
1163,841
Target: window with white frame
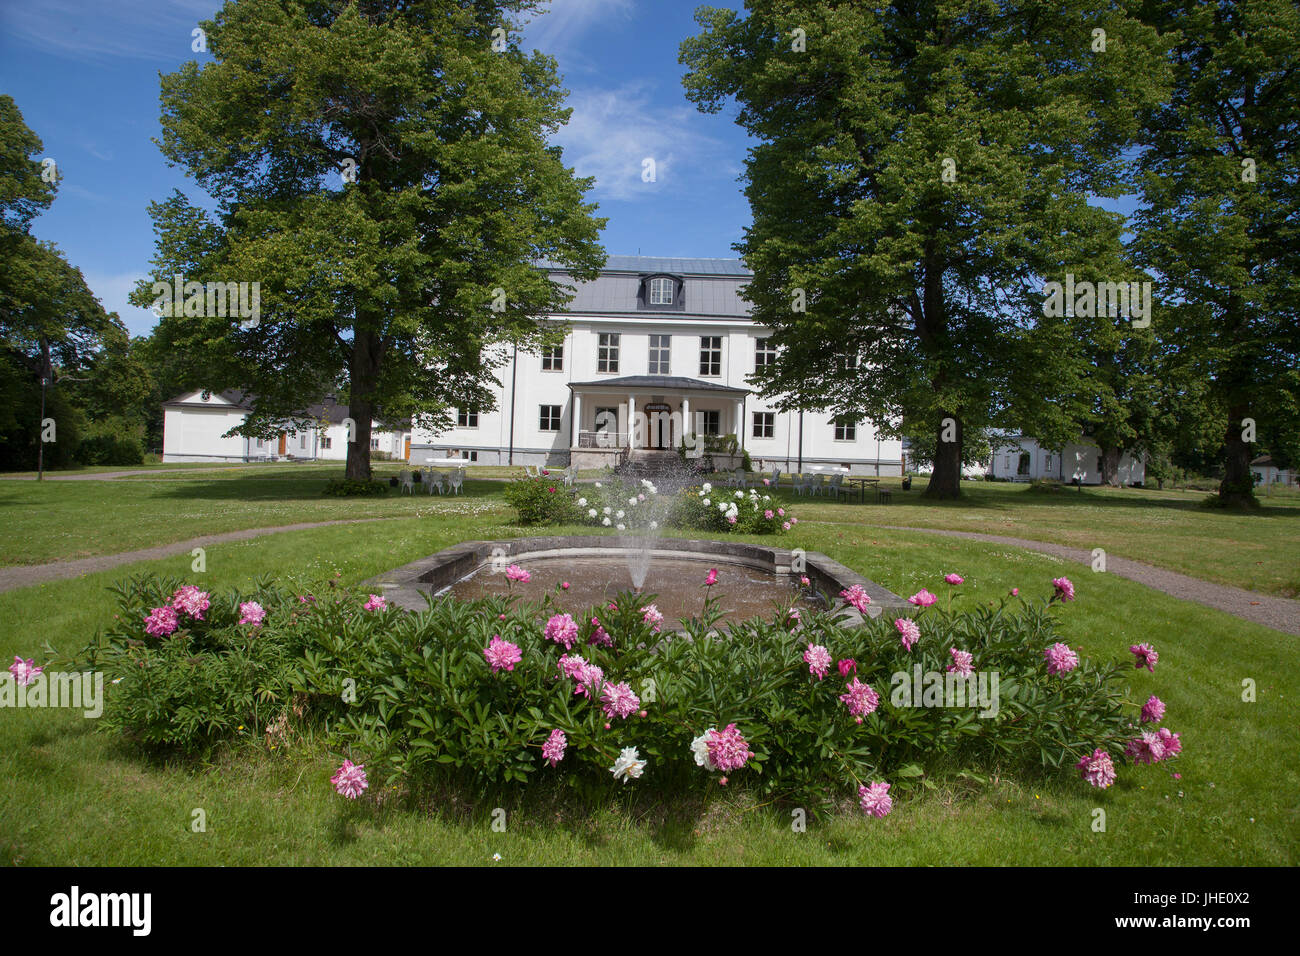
x,y
374,444
607,352
661,291
466,419
711,421
764,424
553,359
711,355
659,354
764,353
845,430
549,418
326,442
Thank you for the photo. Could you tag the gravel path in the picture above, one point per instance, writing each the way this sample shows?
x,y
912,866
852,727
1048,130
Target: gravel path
x,y
1279,613
22,576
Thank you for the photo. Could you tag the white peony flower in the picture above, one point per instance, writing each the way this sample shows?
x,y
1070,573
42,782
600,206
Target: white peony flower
x,y
707,502
707,488
598,484
632,501
629,764
591,512
654,525
605,522
740,494
618,514
582,502
622,527
700,747
607,510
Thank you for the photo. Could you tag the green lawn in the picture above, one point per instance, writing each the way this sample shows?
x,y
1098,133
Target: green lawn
x,y
75,796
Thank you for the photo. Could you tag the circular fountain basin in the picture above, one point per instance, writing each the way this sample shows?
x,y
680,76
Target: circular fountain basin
x,y
752,579
673,583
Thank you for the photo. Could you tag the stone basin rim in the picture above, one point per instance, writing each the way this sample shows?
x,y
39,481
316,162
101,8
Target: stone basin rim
x,y
406,586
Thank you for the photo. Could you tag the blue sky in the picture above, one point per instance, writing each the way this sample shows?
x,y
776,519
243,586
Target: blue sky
x,y
84,73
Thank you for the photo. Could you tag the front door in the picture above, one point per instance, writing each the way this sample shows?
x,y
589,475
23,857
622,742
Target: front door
x,y
282,442
660,421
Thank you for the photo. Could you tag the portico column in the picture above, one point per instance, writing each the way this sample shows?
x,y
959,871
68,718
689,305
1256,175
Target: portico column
x,y
575,423
686,417
740,424
631,420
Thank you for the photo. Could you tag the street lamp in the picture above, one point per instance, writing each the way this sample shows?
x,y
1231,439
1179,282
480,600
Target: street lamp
x,y
47,378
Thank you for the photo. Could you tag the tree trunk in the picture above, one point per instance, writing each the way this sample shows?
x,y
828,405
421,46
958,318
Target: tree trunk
x,y
1110,466
1238,485
363,374
945,481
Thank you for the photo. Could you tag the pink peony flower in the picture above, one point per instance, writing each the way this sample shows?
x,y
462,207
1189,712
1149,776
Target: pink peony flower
x,y
727,748
731,519
161,622
619,701
190,600
818,660
1015,592
860,699
856,596
875,799
908,632
502,655
1098,769
652,616
847,666
375,602
24,671
1173,746
350,780
553,749
711,578
562,629
804,580
250,612
1060,659
516,573
599,636
1146,656
1064,589
589,679
794,520
564,585
1153,711
785,526
961,662
572,666
769,514
953,578
922,598
1148,748
781,512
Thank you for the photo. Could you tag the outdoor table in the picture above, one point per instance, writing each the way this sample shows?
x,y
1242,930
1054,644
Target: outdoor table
x,y
862,487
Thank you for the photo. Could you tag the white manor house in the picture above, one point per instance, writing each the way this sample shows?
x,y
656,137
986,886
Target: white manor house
x,y
652,344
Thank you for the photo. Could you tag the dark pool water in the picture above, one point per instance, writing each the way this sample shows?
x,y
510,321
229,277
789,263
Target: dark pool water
x,y
677,584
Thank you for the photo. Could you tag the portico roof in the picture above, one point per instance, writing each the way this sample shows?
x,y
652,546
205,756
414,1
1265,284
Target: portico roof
x,y
658,384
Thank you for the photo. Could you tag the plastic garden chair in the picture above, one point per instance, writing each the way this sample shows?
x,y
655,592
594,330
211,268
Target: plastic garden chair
x,y
408,483
457,479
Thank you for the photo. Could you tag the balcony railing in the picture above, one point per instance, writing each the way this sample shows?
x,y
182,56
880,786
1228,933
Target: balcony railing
x,y
602,439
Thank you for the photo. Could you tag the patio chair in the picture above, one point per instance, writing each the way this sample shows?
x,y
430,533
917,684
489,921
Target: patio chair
x,y
570,474
407,482
776,477
836,486
818,486
457,479
530,471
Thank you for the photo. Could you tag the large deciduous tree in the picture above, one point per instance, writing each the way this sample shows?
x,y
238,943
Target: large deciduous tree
x,y
920,169
1221,221
381,168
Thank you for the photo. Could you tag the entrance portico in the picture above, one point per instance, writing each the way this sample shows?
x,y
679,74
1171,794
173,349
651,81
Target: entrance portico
x,y
619,414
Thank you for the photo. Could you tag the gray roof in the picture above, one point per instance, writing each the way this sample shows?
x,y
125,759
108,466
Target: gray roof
x,y
660,383
328,410
711,287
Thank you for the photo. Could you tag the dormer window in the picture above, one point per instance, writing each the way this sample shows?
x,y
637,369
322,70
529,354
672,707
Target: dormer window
x,y
661,292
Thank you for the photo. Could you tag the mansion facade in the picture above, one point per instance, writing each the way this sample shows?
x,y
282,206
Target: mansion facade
x,y
657,352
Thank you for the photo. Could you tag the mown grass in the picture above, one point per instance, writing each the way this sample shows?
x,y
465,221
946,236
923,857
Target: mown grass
x,y
74,795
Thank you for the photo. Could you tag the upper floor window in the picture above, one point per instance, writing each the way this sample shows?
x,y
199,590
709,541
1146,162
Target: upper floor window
x,y
711,355
661,291
845,430
553,359
659,354
607,352
466,419
764,353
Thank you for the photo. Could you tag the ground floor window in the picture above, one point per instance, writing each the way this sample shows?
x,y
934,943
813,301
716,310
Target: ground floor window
x,y
712,421
764,424
549,418
326,442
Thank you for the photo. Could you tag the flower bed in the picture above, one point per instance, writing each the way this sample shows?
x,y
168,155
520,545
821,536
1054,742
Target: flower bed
x,y
798,707
639,507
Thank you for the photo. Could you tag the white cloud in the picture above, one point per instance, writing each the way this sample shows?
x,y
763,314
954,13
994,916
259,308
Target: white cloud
x,y
137,29
558,28
612,133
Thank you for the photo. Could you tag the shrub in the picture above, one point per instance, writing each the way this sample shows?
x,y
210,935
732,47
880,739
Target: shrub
x,y
542,500
347,487
418,698
109,450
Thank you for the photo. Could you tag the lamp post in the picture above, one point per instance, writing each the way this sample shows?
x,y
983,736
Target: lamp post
x,y
47,378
